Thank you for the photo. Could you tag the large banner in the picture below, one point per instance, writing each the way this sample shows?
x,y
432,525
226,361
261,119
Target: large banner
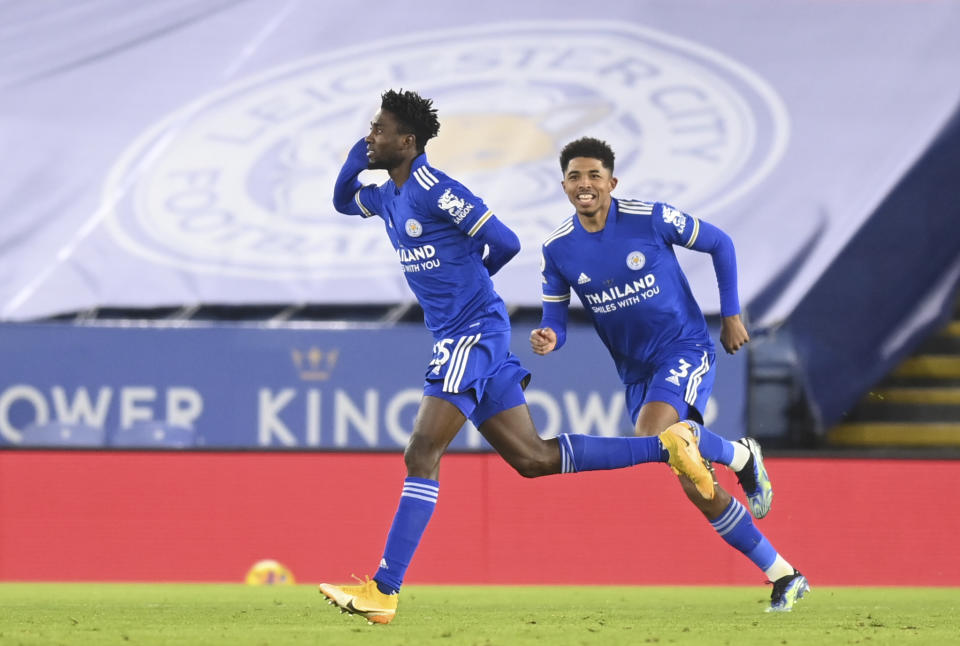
x,y
184,151
253,387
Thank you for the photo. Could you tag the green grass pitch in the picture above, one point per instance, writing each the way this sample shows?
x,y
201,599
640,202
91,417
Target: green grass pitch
x,y
103,614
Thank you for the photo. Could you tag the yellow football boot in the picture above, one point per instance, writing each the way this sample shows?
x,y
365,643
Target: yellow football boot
x,y
365,600
685,459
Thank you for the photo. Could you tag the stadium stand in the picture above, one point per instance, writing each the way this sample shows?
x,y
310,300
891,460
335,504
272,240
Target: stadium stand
x,y
916,405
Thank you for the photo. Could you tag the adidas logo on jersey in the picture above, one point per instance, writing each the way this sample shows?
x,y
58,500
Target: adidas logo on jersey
x,y
583,279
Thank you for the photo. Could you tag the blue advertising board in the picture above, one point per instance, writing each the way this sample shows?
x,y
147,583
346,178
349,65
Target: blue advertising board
x,y
312,387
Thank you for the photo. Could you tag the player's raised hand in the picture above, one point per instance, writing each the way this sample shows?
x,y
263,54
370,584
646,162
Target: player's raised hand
x,y
543,340
358,153
733,334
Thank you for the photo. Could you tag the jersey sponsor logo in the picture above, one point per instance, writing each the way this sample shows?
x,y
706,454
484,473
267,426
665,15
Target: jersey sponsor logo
x,y
456,206
417,253
420,258
641,288
636,260
230,183
413,228
674,217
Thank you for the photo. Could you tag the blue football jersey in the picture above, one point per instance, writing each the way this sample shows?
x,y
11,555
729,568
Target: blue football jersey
x,y
431,221
629,281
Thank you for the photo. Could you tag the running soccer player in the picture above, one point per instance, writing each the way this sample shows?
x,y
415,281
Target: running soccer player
x,y
440,231
618,256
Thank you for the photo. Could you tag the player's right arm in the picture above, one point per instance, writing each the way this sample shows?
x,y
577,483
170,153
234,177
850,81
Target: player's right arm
x,y
552,332
349,195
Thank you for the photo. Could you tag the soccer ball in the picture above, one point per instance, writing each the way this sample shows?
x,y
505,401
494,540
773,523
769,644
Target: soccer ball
x,y
269,572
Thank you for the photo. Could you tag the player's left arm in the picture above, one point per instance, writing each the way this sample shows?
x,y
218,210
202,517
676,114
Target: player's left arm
x,y
681,228
501,242
453,201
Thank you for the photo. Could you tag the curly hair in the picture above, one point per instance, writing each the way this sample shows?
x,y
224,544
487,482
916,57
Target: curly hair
x,y
587,147
415,114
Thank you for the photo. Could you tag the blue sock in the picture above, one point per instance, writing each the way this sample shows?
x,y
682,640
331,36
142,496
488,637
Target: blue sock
x,y
580,452
712,446
736,527
417,501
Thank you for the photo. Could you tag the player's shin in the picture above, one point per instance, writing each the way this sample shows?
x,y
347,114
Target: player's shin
x,y
589,453
713,447
416,506
736,527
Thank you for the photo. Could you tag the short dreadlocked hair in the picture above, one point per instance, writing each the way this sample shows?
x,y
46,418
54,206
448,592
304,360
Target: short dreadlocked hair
x,y
415,115
587,147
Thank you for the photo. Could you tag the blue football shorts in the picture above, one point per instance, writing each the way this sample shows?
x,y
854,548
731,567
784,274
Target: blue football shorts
x,y
684,380
477,373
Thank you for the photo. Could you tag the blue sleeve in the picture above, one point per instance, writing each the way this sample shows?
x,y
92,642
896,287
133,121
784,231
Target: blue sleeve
x,y
714,241
555,317
450,200
502,243
556,298
349,195
677,227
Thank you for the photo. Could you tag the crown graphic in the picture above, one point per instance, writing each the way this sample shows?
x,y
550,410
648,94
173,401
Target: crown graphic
x,y
315,364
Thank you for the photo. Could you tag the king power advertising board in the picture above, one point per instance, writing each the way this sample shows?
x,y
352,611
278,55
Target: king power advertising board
x,y
256,388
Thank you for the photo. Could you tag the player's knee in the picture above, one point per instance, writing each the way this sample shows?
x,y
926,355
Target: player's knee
x,y
422,459
647,430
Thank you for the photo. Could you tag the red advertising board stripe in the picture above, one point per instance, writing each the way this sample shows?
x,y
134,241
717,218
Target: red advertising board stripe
x,y
167,516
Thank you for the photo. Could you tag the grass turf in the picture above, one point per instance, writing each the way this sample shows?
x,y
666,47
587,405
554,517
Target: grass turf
x,y
47,613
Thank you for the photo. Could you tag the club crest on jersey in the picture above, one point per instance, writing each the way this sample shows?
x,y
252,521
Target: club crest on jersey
x,y
413,228
457,207
674,217
636,260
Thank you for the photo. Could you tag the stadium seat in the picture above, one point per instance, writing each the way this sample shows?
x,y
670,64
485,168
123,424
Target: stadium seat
x,y
154,435
62,434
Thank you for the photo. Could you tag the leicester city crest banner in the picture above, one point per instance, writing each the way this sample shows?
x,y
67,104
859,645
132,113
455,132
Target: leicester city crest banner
x,y
180,151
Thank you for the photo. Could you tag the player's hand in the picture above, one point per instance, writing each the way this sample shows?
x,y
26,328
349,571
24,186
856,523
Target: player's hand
x,y
733,334
358,153
543,340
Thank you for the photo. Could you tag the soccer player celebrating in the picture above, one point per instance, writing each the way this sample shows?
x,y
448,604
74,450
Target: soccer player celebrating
x,y
449,245
618,256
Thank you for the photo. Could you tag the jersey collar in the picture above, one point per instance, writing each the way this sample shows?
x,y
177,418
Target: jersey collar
x,y
608,227
418,161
